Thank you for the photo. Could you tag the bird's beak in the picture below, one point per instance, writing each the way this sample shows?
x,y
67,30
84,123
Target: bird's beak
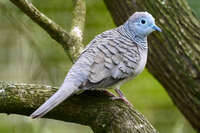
x,y
155,27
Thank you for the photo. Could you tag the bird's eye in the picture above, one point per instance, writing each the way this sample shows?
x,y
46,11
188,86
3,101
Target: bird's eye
x,y
143,21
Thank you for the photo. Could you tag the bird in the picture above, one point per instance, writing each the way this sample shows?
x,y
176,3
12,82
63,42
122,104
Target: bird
x,y
109,60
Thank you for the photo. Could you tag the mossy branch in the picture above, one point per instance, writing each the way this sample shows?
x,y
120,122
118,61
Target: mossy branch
x,y
91,108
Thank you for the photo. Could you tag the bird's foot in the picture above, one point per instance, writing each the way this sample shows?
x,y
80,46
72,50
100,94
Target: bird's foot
x,y
123,99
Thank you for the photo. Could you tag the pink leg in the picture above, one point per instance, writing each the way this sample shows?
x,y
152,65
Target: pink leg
x,y
122,97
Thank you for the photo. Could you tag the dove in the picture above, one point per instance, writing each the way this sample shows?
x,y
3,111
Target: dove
x,y
109,60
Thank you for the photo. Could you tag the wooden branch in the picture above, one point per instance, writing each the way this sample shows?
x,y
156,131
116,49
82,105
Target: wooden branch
x,y
77,28
174,55
70,41
92,108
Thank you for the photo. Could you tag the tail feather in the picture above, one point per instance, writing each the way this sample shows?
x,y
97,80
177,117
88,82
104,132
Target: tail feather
x,y
53,101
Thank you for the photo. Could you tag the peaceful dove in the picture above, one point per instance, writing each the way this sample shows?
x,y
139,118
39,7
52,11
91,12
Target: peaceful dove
x,y
111,58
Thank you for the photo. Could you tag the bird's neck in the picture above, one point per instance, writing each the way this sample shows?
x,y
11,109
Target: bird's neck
x,y
141,41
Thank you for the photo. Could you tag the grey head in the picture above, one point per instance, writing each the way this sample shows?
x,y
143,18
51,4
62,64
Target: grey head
x,y
140,25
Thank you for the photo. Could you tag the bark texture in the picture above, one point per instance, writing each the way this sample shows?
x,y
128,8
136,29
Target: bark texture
x,y
174,55
77,28
92,108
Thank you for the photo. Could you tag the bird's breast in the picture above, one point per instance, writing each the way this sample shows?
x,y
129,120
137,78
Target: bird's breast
x,y
142,62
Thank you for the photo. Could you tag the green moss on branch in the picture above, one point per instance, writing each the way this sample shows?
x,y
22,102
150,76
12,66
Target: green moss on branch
x,y
91,108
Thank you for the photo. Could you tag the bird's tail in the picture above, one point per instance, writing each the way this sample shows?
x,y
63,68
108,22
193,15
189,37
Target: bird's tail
x,y
64,92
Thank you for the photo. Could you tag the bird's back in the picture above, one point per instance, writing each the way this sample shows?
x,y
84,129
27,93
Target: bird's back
x,y
109,58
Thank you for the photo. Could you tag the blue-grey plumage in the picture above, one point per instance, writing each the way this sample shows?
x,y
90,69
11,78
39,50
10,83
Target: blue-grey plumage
x,y
111,58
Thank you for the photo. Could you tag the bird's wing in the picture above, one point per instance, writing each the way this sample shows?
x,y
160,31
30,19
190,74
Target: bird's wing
x,y
113,61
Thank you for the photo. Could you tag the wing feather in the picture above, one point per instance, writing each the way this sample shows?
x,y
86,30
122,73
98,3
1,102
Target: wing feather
x,y
112,63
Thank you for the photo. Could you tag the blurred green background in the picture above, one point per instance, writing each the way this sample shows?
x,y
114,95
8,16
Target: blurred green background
x,y
28,54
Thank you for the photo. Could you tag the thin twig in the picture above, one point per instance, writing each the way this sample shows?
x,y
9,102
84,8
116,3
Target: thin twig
x,y
53,29
77,28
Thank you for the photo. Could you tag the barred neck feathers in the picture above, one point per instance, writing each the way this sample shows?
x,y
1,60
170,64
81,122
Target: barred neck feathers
x,y
141,41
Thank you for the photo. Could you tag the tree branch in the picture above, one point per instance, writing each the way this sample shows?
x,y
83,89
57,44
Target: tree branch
x,y
92,108
77,28
71,42
174,55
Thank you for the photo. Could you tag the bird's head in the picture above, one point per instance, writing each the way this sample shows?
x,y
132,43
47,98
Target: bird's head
x,y
141,24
